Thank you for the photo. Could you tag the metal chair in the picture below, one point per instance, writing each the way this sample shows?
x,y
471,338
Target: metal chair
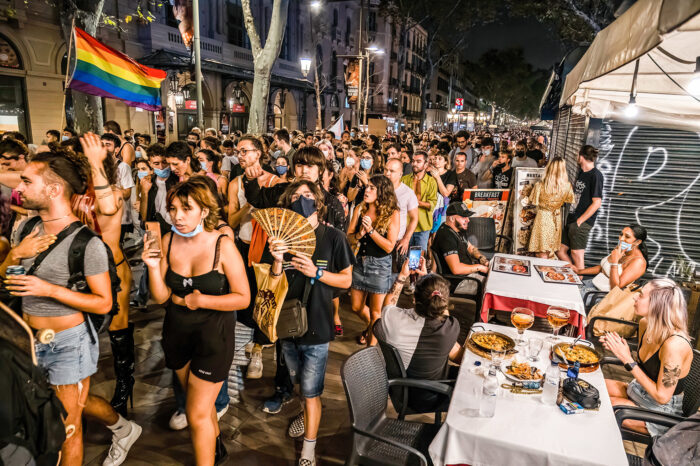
x,y
476,297
691,403
377,439
400,396
590,336
481,232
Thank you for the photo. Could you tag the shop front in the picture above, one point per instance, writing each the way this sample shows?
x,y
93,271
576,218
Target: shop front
x,y
13,114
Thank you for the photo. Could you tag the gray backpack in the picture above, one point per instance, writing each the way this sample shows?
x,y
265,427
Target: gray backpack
x,y
680,445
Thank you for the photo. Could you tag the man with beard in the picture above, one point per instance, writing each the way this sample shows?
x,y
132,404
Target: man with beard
x,y
456,255
124,181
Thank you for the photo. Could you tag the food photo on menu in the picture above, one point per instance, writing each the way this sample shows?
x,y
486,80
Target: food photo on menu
x,y
554,274
514,266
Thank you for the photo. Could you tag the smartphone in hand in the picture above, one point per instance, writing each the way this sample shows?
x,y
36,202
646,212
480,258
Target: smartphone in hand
x,y
153,233
414,257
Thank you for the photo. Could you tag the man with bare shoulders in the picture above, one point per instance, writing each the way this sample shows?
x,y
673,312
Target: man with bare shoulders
x,y
126,150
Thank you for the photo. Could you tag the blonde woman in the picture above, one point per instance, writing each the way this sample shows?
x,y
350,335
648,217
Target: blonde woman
x,y
548,196
664,355
375,225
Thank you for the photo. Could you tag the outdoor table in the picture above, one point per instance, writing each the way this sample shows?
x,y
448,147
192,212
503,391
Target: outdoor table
x,y
505,291
524,431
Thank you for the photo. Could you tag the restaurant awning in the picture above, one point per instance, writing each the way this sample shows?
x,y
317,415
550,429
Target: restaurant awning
x,y
664,37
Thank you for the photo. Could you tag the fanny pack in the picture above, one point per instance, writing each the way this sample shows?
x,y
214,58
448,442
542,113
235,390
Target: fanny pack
x,y
292,321
581,392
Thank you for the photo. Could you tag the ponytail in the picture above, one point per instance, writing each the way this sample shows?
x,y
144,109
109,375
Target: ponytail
x,y
640,233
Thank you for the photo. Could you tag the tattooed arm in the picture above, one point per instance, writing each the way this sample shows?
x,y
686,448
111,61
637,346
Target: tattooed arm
x,y
474,252
392,297
108,203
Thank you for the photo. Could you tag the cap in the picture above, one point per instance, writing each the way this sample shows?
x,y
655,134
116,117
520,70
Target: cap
x,y
458,208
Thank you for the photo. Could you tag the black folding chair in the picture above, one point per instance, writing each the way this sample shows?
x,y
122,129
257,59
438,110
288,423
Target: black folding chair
x,y
481,232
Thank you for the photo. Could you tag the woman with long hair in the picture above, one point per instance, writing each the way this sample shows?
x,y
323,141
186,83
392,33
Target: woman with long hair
x,y
375,224
548,196
370,163
198,272
663,359
211,167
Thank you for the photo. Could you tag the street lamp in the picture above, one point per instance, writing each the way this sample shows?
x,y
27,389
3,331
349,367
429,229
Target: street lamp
x,y
316,4
305,63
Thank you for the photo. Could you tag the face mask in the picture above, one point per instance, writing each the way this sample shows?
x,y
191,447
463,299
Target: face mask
x,y
162,172
625,246
349,162
520,153
65,138
204,165
487,152
192,233
139,154
326,153
365,164
281,169
142,175
352,134
304,206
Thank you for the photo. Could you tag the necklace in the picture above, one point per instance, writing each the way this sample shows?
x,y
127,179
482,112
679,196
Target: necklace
x,y
58,218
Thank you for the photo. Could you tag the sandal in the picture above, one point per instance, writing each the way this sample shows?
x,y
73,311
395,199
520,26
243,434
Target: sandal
x,y
362,337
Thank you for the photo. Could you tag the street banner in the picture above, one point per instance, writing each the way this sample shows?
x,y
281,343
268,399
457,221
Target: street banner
x,y
337,128
102,71
490,203
524,212
352,80
182,11
224,122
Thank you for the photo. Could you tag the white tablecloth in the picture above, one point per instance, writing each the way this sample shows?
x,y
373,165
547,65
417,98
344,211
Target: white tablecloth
x,y
532,288
524,431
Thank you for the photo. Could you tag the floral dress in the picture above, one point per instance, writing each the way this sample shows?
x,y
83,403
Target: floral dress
x,y
546,228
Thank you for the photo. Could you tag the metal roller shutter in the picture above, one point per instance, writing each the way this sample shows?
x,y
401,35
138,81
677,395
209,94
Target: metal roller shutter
x,y
652,177
575,138
563,130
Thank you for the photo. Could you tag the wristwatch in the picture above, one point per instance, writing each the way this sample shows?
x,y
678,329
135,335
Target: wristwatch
x,y
630,365
319,274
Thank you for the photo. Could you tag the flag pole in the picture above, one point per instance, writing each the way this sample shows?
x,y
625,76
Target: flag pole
x,y
65,79
198,64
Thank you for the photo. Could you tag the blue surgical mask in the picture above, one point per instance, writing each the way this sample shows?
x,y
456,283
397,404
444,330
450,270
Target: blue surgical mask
x,y
139,154
142,175
281,169
365,164
304,206
162,172
65,138
204,165
625,246
192,233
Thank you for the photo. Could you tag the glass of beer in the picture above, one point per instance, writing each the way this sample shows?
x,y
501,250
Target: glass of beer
x,y
557,317
522,318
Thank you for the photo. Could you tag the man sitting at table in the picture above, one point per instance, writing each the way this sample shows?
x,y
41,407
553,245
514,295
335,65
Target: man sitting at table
x,y
456,255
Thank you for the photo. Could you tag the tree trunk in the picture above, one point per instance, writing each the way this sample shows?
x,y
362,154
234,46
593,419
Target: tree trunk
x,y
317,89
87,109
257,120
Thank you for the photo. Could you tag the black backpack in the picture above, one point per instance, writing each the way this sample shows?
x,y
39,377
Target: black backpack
x,y
98,322
31,416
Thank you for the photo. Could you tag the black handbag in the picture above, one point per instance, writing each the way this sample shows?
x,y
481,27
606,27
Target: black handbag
x,y
292,321
581,392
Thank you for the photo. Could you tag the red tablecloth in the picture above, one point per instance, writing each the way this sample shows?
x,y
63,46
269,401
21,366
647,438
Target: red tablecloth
x,y
502,303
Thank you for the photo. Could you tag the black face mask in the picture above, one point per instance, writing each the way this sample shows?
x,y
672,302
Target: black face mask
x,y
520,153
304,206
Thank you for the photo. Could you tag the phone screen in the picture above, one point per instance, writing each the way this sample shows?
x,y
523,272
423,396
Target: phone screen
x,y
414,258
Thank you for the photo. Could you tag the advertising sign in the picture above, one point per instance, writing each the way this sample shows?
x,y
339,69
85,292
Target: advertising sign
x,y
459,101
191,104
237,108
182,11
523,211
352,80
490,203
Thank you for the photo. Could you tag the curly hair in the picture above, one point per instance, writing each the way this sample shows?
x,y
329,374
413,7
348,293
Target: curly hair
x,y
66,167
196,189
386,203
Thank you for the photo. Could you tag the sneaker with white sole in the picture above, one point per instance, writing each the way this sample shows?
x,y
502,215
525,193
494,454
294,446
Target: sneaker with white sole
x,y
121,446
296,428
307,462
178,421
255,368
274,404
220,414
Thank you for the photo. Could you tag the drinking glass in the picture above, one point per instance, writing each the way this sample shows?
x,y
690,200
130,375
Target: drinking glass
x,y
497,357
534,346
522,318
557,317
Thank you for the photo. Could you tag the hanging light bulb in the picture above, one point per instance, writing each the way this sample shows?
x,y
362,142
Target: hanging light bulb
x,y
632,110
694,85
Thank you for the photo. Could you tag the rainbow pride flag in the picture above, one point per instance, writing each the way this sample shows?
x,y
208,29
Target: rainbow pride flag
x,y
100,70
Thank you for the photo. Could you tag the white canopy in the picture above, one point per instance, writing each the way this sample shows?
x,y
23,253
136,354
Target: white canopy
x,y
664,35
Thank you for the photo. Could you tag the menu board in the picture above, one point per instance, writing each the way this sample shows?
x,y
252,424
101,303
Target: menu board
x,y
524,212
553,274
490,203
510,265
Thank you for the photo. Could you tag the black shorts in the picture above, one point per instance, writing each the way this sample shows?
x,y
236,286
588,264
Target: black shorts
x,y
205,339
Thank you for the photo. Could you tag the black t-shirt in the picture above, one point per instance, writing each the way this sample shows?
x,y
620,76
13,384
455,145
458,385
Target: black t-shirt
x,y
465,180
407,168
588,185
448,242
502,179
449,177
333,254
535,154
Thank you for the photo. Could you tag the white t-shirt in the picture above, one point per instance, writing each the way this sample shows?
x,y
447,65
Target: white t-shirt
x,y
125,181
407,201
161,194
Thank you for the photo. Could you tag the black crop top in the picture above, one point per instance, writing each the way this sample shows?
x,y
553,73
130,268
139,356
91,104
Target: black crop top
x,y
652,366
369,248
211,283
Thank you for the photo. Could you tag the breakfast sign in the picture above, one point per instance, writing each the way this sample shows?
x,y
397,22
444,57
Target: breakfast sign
x,y
490,203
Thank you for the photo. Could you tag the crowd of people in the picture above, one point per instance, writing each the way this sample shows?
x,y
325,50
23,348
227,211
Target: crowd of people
x,y
370,200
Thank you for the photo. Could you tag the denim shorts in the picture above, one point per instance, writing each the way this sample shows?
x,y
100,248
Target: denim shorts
x,y
307,366
420,238
372,274
641,397
70,357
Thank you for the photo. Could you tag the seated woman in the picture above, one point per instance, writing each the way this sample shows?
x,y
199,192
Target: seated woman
x,y
425,336
625,264
664,356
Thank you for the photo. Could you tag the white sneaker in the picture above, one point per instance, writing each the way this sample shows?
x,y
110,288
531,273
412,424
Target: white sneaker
x,y
178,421
121,446
255,368
220,414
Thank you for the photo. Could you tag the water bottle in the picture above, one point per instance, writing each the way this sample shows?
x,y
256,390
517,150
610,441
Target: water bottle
x,y
489,393
551,385
472,399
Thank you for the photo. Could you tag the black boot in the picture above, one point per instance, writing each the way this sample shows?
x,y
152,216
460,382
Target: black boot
x,y
123,353
221,453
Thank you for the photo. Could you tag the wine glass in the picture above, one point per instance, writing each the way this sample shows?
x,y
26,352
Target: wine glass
x,y
557,317
522,318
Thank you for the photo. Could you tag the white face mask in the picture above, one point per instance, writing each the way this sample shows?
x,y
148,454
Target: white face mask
x,y
349,162
487,152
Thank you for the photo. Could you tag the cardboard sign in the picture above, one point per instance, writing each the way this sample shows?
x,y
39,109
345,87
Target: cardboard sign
x,y
377,126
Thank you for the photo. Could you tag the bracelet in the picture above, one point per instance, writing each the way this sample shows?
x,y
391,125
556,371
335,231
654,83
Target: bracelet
x,y
370,232
105,186
401,280
276,274
613,264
